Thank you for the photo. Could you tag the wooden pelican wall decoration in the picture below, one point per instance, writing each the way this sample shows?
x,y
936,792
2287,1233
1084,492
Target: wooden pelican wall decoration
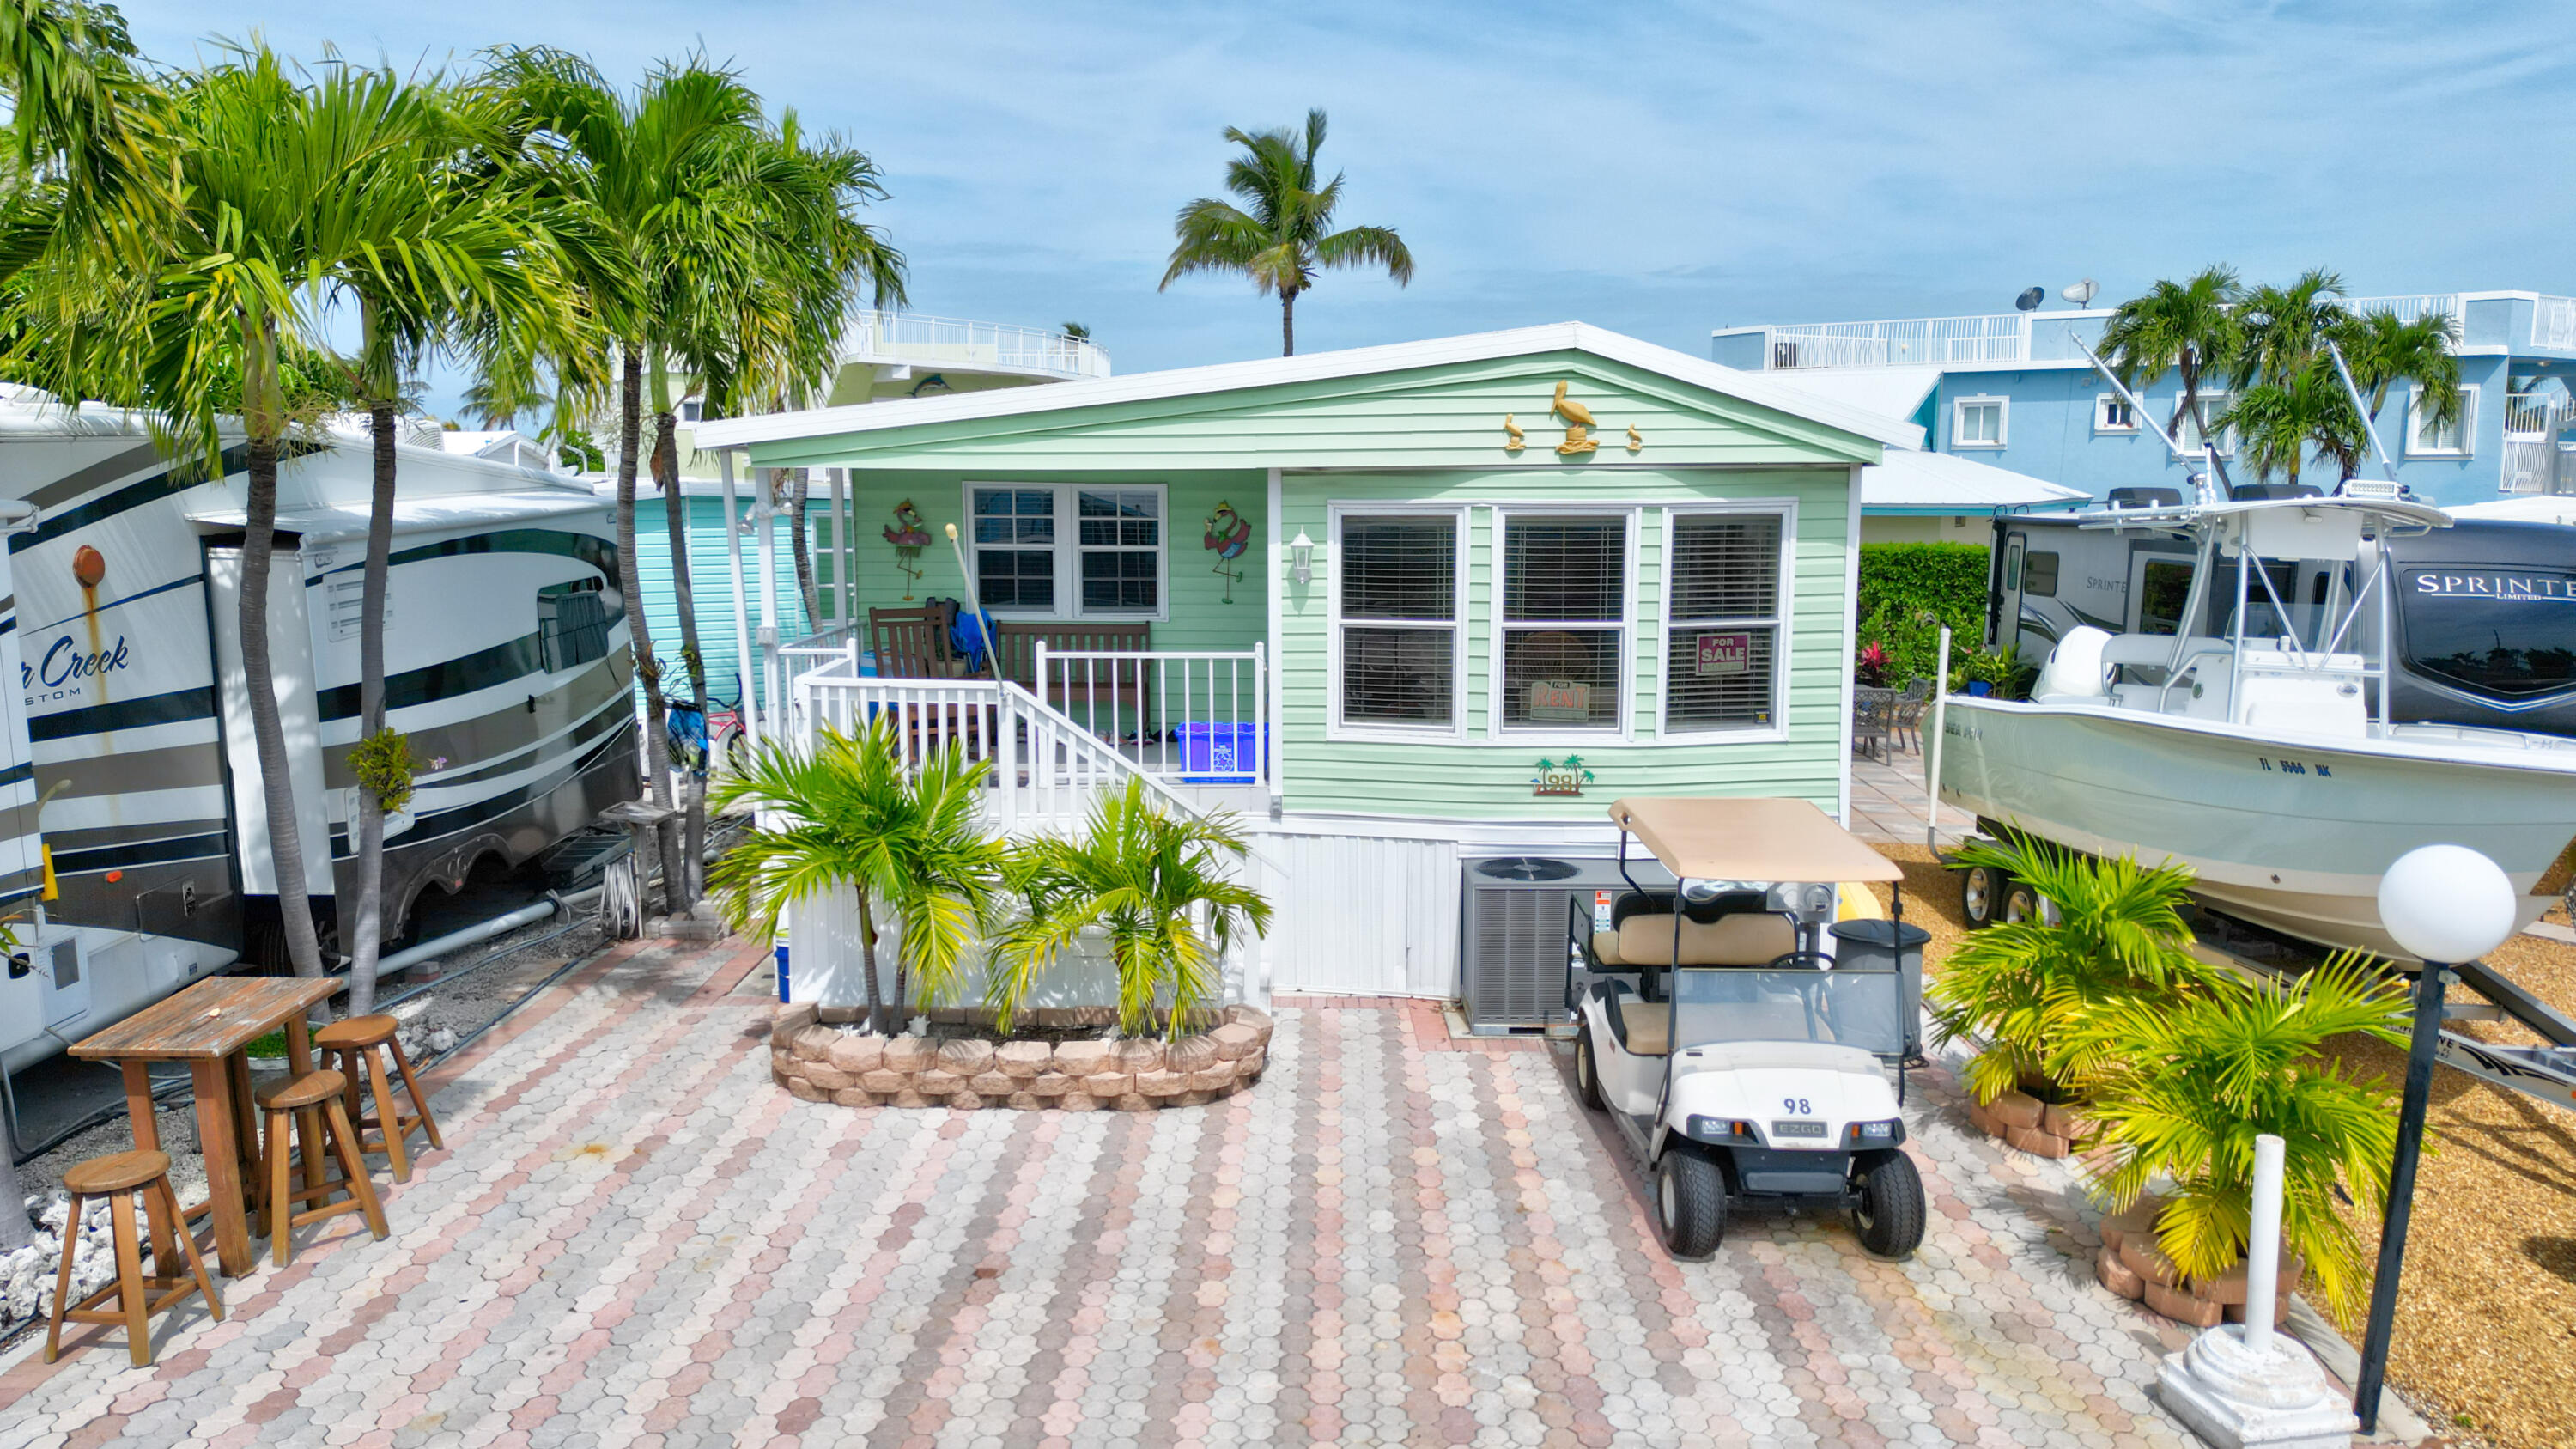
x,y
1513,438
1578,425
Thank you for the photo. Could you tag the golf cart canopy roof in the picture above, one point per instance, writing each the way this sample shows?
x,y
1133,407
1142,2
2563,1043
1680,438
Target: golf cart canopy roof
x,y
1701,838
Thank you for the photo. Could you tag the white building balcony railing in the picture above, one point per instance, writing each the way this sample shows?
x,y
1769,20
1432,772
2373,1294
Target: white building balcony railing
x,y
2537,414
2003,337
917,340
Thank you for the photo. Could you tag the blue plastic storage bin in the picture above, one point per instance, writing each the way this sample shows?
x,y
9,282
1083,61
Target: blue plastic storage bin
x,y
1220,754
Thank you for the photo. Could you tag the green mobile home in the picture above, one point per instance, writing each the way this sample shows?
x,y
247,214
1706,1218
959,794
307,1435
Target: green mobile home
x,y
1484,585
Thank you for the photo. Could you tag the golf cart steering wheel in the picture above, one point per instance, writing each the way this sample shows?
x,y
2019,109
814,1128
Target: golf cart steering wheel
x,y
1800,960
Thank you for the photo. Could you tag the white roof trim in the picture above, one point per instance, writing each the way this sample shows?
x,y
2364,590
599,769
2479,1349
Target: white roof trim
x,y
1942,480
1751,387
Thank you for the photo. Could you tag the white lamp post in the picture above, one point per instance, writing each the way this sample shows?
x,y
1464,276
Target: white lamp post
x,y
2446,904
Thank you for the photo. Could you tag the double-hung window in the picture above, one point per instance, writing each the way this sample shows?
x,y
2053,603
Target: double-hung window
x,y
1069,550
1564,620
1723,639
1396,620
2213,406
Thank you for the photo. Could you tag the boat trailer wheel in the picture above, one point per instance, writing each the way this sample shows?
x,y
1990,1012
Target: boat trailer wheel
x,y
1981,889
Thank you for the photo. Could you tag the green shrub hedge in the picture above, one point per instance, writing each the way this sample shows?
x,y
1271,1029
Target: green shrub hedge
x,y
1908,591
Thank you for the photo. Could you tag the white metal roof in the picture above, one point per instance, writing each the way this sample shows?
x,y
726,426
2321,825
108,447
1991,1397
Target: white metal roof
x,y
1945,481
1893,392
1752,387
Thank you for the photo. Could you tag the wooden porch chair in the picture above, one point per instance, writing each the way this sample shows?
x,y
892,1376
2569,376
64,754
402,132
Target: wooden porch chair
x,y
915,644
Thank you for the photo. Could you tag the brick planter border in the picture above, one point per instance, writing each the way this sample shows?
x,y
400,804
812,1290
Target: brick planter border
x,y
813,1059
2131,1265
2028,1124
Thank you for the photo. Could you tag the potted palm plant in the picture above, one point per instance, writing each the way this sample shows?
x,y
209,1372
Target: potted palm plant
x,y
2093,933
849,814
1152,887
2192,1084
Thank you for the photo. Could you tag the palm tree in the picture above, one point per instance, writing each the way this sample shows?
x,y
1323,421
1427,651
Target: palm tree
x,y
276,188
2024,987
2198,1080
638,171
904,841
2278,423
466,253
760,293
2188,327
1287,236
1140,877
2383,350
2285,329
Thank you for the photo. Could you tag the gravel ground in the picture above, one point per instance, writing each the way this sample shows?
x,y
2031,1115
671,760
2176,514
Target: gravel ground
x,y
453,1008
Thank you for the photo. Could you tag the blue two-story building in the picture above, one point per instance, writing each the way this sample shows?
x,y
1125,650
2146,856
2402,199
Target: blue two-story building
x,y
2015,390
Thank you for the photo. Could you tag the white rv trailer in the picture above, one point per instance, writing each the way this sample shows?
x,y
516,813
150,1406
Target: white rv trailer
x,y
128,761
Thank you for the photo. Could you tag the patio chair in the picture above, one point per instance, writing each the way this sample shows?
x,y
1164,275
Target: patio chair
x,y
1907,721
1873,720
915,644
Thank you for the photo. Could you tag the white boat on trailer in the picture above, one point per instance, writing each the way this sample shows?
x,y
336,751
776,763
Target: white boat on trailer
x,y
2255,742
133,841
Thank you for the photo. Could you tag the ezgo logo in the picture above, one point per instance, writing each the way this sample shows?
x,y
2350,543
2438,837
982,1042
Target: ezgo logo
x,y
58,674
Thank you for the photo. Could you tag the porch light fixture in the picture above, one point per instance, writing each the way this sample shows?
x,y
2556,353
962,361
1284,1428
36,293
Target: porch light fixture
x,y
1301,558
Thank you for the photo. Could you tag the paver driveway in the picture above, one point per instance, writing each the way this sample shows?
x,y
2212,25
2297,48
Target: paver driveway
x,y
635,1239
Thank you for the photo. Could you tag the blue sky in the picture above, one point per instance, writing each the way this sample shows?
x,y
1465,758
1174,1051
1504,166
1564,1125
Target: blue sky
x,y
1660,170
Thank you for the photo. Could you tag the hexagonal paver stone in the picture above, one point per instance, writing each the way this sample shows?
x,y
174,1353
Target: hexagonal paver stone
x,y
1023,1058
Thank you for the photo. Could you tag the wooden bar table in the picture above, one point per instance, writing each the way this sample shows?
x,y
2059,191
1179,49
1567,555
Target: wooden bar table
x,y
210,1026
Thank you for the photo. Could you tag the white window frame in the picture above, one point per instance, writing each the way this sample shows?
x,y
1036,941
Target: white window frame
x,y
2103,402
1068,549
2213,402
1334,624
1570,736
1784,623
2468,425
1958,416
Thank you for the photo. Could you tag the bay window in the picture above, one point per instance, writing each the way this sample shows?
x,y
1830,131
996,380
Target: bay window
x,y
1395,578
1723,635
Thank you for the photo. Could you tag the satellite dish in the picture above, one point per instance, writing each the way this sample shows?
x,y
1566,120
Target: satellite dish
x,y
2029,301
2082,293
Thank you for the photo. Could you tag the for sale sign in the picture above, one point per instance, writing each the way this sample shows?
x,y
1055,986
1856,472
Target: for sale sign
x,y
1721,654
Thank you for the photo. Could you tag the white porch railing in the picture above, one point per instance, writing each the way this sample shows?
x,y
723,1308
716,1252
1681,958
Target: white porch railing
x,y
1200,717
1046,764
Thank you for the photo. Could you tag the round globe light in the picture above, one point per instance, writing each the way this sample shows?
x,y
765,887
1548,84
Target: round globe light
x,y
2446,903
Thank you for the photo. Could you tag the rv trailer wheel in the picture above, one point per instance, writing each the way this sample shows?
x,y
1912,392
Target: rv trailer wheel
x,y
1980,887
1587,1072
1890,1216
1690,1201
2021,903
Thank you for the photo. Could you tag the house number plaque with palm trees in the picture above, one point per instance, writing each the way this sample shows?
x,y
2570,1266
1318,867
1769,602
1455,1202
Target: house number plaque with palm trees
x,y
1579,424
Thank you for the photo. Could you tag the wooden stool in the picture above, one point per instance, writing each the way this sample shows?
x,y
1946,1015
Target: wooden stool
x,y
354,1041
116,1178
313,1100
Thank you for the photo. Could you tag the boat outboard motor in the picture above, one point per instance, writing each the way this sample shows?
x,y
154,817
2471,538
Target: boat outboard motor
x,y
1886,945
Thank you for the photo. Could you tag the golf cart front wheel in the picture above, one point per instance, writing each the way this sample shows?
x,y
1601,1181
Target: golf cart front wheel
x,y
1981,889
1690,1201
1890,1216
1587,1072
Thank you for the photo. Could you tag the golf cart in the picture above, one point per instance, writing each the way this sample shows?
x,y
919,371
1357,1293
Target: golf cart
x,y
1738,1024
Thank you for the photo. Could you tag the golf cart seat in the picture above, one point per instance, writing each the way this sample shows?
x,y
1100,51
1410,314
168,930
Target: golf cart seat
x,y
1743,939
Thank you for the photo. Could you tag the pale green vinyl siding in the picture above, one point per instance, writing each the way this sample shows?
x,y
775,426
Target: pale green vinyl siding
x,y
1199,619
1489,776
